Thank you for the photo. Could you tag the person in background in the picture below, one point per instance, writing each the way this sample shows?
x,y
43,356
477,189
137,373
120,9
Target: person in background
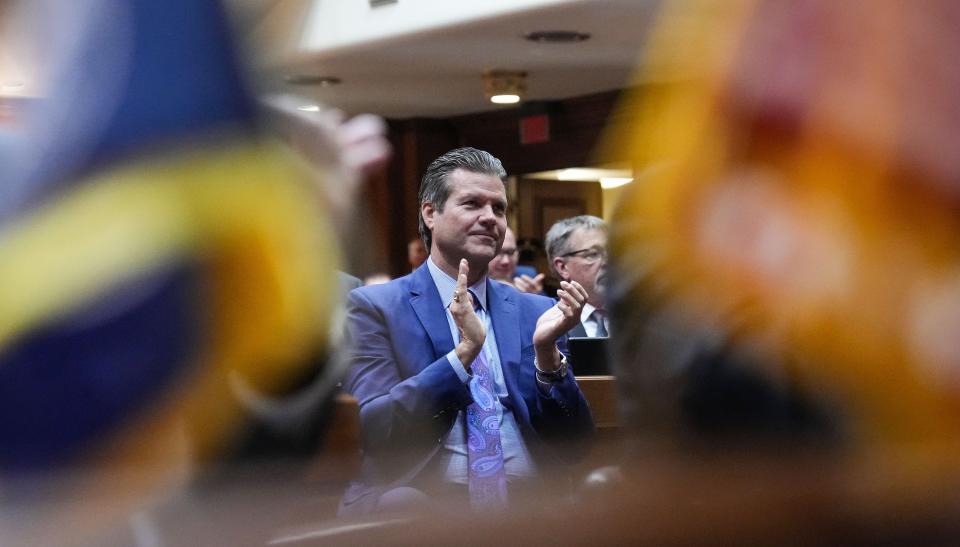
x,y
416,253
577,251
504,268
378,278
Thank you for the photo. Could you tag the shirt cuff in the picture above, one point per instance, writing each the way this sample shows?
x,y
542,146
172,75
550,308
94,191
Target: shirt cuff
x,y
458,368
543,388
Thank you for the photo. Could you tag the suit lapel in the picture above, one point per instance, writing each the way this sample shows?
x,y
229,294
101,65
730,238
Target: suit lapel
x,y
426,303
506,326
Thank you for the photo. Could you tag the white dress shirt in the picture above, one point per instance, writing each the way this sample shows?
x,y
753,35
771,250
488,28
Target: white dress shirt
x,y
589,321
453,459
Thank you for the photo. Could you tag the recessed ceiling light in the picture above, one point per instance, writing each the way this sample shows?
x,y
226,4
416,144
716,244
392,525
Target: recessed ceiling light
x,y
309,108
615,174
505,99
576,173
313,79
504,86
557,36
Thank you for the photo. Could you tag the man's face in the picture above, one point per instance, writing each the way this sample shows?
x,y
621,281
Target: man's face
x,y
473,221
416,253
503,265
587,264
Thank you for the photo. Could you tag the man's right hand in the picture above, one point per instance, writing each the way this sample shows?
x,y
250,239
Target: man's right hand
x,y
472,333
532,285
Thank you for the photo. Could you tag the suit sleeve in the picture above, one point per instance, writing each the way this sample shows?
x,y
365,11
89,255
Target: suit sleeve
x,y
396,412
563,417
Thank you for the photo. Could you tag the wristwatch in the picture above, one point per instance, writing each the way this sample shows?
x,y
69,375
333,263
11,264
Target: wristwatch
x,y
555,376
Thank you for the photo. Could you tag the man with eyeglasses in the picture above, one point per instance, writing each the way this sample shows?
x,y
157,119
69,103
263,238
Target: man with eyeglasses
x,y
577,251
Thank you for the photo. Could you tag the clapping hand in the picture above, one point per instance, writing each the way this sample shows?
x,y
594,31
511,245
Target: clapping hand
x,y
532,285
472,333
556,321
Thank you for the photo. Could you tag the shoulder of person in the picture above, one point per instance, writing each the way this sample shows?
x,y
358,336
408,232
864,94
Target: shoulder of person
x,y
524,270
379,292
347,282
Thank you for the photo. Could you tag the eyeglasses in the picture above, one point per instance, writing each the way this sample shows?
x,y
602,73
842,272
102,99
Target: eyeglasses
x,y
589,255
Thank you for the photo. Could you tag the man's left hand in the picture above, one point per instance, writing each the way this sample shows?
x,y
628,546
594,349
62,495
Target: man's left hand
x,y
555,322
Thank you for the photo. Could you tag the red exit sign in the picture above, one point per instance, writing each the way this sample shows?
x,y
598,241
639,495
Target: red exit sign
x,y
535,129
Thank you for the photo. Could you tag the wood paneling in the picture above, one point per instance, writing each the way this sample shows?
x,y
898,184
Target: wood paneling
x,y
576,125
601,394
540,202
394,203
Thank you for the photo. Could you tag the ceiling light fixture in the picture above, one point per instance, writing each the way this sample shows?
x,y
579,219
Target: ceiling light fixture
x,y
505,86
557,36
505,98
610,175
576,173
309,108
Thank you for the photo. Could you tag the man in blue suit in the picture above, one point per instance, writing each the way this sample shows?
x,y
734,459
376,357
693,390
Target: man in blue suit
x,y
448,363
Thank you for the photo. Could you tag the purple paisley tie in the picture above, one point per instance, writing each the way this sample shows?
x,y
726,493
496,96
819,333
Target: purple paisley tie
x,y
488,479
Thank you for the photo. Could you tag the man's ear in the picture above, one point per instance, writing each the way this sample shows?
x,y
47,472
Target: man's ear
x,y
427,210
560,266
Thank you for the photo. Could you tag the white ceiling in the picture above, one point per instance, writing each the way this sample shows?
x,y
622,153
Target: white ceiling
x,y
412,58
435,70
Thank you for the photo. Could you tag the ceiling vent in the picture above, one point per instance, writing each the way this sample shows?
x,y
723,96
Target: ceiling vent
x,y
557,36
313,79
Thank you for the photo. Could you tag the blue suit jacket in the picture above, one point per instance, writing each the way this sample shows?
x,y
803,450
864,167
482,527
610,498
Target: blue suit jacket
x,y
409,394
524,270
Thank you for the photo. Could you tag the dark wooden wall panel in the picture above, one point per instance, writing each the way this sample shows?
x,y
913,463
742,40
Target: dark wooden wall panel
x,y
416,142
576,126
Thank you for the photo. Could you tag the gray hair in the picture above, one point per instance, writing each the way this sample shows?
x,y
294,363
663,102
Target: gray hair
x,y
434,187
559,234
